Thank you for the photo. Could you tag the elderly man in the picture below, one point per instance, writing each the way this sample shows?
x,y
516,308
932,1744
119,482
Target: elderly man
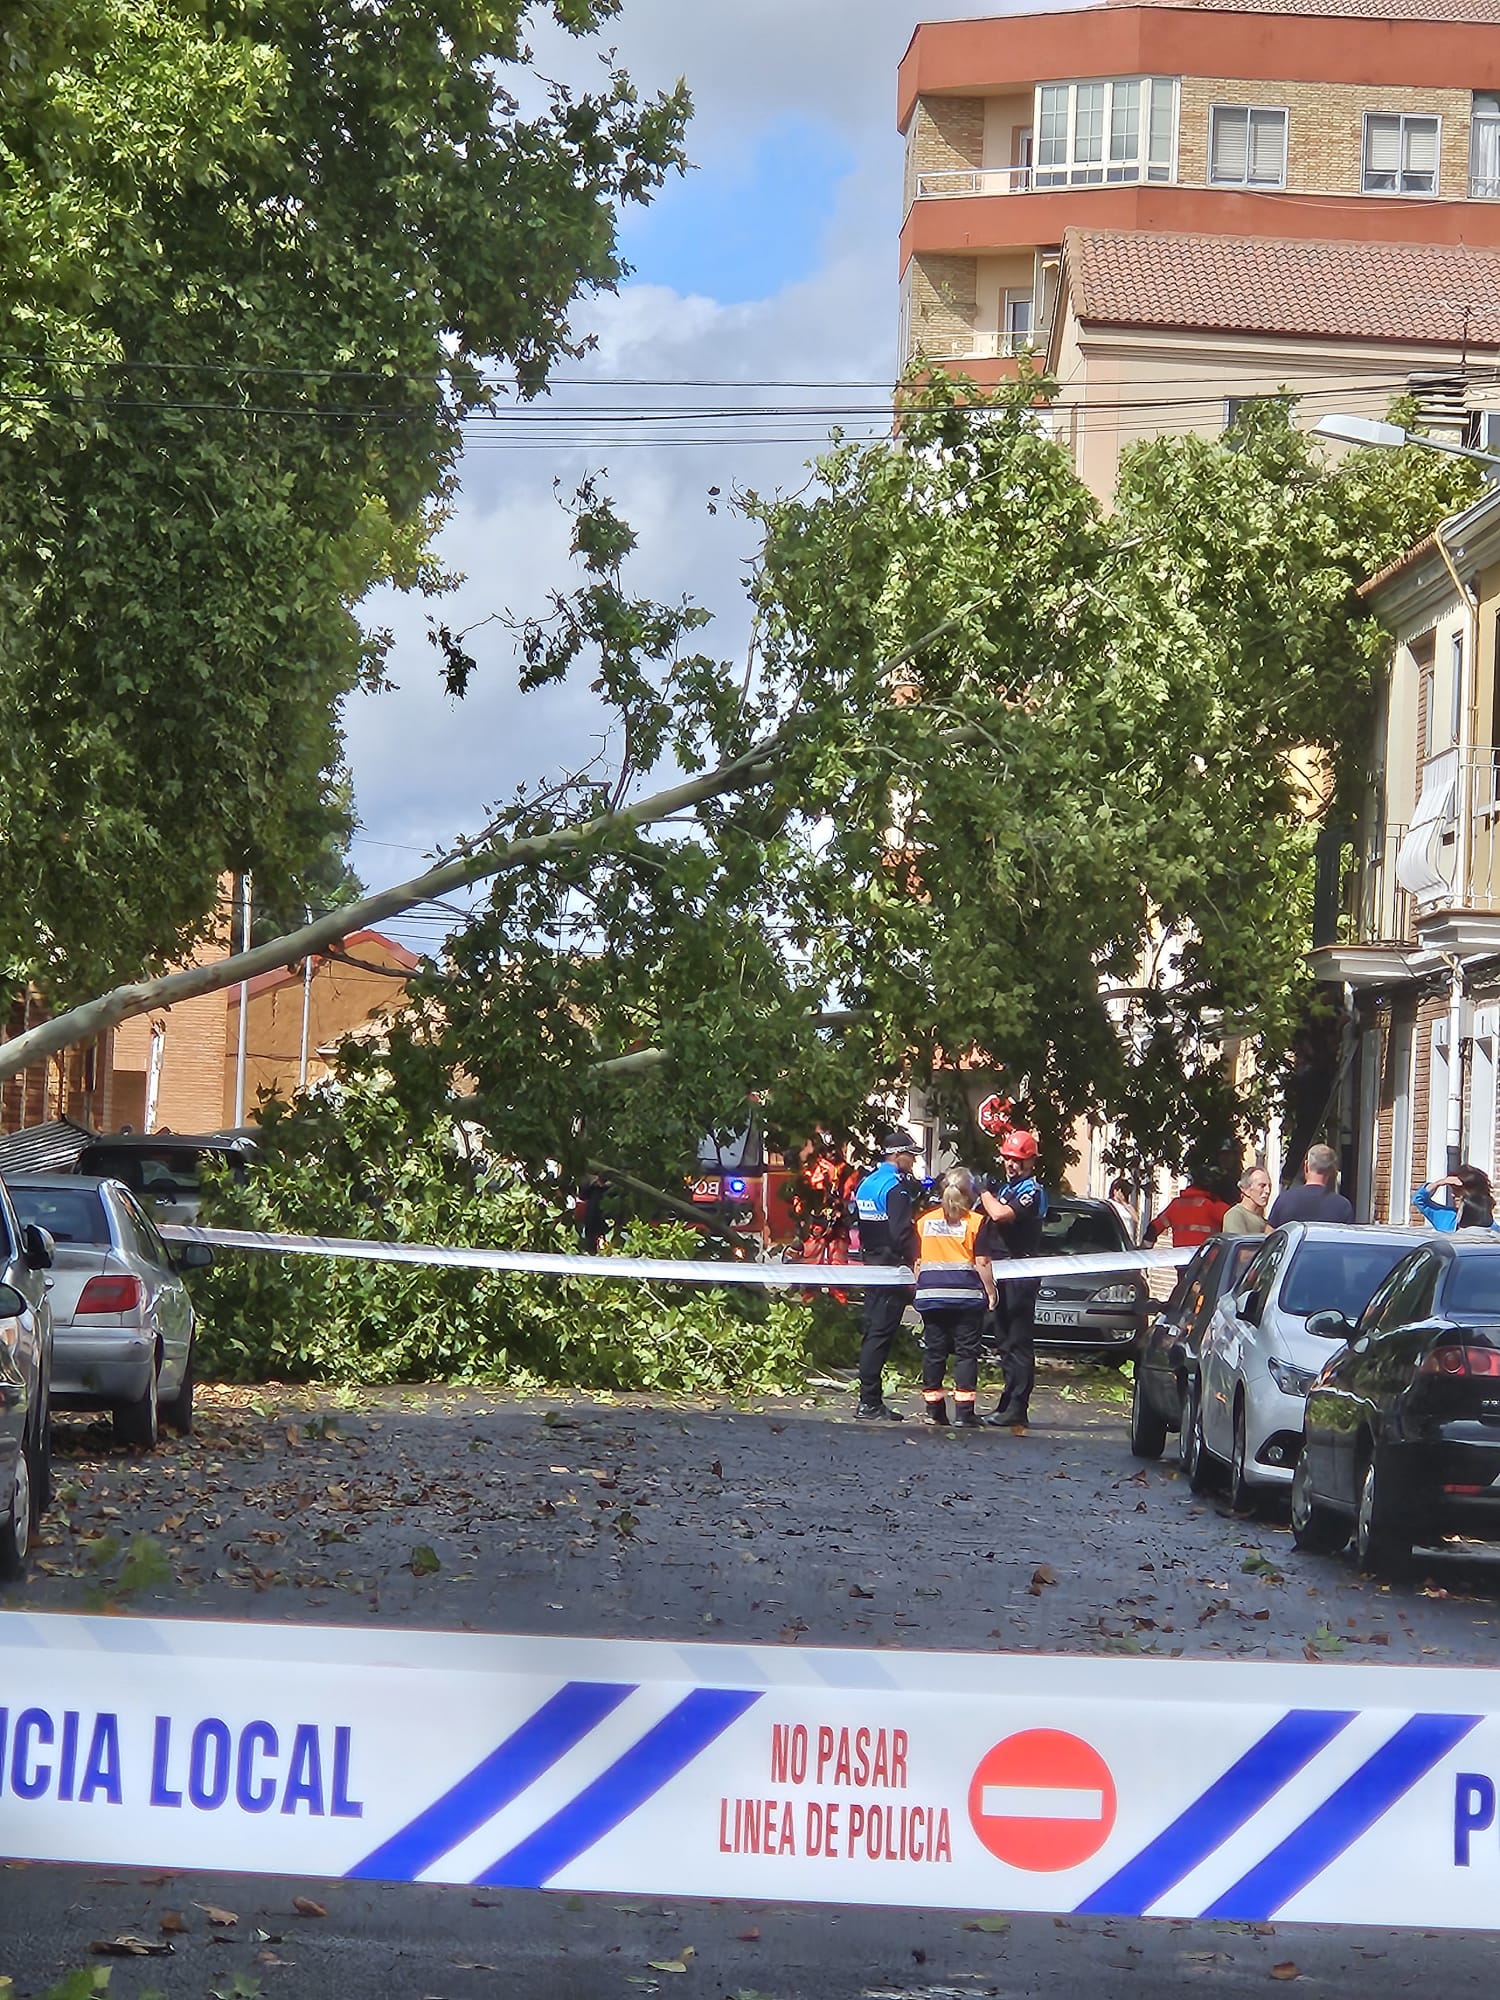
x,y
1248,1216
1317,1200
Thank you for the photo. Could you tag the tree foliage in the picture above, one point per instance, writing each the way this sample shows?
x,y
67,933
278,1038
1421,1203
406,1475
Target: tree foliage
x,y
257,259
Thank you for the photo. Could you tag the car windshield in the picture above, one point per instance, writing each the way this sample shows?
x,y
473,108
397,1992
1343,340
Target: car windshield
x,y
167,1173
72,1215
1338,1275
1071,1231
1475,1286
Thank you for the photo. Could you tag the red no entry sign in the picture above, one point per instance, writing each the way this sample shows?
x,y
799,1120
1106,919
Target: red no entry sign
x,y
1042,1800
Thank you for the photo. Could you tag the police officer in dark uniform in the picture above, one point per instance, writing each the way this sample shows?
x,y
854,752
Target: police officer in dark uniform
x,y
885,1203
1013,1228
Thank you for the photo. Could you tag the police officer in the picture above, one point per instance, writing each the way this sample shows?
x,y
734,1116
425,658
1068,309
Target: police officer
x,y
885,1203
1013,1228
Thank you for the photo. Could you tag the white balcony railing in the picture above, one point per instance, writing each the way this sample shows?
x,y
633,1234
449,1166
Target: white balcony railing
x,y
991,346
1433,865
973,180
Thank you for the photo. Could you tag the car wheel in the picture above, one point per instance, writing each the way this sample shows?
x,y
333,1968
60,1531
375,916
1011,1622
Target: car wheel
x,y
1148,1431
41,1478
1243,1497
179,1411
15,1527
139,1423
1318,1531
1379,1549
1196,1461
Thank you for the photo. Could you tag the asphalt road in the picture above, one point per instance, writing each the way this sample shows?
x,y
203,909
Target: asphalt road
x,y
784,1523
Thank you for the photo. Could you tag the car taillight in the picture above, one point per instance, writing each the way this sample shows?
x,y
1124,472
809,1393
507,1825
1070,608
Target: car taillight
x,y
110,1295
1461,1362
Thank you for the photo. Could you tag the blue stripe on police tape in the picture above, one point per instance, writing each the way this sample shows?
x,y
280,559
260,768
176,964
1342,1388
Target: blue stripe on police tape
x,y
1221,1811
502,1776
615,1794
1336,1824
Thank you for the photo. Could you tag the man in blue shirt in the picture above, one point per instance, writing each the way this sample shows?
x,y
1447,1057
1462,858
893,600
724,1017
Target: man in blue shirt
x,y
885,1203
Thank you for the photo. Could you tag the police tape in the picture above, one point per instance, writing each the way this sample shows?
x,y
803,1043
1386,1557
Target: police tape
x,y
793,1277
1116,1788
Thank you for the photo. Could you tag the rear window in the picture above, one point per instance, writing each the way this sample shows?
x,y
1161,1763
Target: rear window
x,y
1071,1231
165,1173
1338,1276
73,1215
1474,1286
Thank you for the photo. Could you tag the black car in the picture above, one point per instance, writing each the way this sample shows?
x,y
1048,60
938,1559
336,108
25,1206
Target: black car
x,y
1402,1438
164,1169
1101,1311
1168,1355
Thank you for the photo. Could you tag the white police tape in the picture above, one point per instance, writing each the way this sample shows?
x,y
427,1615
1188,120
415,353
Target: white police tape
x,y
1231,1791
795,1277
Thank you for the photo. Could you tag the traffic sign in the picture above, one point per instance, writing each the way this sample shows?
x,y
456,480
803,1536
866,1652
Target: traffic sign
x,y
1042,1800
993,1116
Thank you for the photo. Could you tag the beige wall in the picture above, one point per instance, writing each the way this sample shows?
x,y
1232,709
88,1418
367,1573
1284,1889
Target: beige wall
x,y
1325,130
946,133
342,1000
944,305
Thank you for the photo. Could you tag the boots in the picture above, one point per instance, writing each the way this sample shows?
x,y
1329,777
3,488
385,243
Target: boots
x,y
966,1417
937,1412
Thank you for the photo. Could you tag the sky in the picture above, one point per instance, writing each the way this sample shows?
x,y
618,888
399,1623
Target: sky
x,y
774,261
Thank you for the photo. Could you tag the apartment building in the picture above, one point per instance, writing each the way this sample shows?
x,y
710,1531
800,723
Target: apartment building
x,y
1415,940
1174,206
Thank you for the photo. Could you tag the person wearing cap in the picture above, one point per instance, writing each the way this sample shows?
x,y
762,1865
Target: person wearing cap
x,y
885,1203
1014,1215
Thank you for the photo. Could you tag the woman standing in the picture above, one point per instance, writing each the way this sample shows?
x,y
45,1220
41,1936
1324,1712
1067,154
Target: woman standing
x,y
1472,1206
954,1287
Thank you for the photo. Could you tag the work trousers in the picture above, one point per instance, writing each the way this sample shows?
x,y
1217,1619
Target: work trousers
x,y
880,1322
1014,1334
951,1330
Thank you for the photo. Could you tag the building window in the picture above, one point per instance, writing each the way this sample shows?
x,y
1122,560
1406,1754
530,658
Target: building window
x,y
1246,146
1401,154
1456,691
1484,147
1017,322
1091,133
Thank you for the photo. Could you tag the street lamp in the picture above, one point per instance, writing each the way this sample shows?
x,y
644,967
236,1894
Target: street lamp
x,y
1365,430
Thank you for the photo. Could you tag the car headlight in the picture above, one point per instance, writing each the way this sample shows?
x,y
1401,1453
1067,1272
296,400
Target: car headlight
x,y
1289,1380
1115,1295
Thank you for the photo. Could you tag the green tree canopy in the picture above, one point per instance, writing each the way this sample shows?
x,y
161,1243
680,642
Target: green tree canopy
x,y
258,260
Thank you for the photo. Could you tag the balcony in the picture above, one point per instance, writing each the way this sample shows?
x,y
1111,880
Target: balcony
x,y
1375,937
973,180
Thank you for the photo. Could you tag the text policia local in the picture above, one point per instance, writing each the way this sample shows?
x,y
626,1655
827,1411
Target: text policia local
x,y
842,1761
83,1759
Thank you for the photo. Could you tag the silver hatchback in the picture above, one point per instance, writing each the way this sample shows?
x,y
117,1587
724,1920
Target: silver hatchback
x,y
123,1324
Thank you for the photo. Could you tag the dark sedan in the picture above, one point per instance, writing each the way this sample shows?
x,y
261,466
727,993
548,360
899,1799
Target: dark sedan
x,y
1402,1441
1169,1352
1104,1312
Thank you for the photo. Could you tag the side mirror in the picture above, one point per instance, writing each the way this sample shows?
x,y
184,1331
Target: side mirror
x,y
192,1256
1251,1307
37,1247
1330,1325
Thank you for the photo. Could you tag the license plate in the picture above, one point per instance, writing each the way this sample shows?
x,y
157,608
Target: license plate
x,y
1057,1315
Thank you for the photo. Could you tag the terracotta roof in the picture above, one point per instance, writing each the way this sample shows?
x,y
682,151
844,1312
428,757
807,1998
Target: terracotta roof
x,y
1419,294
1478,13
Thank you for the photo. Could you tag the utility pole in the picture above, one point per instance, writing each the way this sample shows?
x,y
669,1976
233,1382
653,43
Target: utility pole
x,y
239,1059
307,972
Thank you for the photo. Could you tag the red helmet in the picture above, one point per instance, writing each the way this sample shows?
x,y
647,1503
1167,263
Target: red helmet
x,y
1019,1146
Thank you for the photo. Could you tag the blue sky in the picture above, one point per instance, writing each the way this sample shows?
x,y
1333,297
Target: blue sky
x,y
744,228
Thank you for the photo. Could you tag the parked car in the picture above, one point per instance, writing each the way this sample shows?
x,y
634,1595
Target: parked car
x,y
1260,1356
123,1324
1402,1437
25,1386
165,1168
1169,1351
1107,1313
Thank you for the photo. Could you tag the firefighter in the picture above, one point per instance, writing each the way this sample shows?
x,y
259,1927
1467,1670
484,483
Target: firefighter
x,y
1013,1228
885,1204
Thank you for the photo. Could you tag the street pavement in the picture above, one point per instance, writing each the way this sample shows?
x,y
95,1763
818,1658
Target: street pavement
x,y
784,1523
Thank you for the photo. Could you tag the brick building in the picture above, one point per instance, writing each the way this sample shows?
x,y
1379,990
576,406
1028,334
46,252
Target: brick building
x,y
1091,186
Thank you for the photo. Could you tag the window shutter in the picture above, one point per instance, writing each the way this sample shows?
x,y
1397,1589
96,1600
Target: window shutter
x,y
1267,138
1230,143
1382,145
1421,145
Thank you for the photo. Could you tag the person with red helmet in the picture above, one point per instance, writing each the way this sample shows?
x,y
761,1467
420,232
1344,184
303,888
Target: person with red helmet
x,y
1014,1215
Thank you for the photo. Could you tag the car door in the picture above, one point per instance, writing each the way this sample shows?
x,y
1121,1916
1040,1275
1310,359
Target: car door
x,y
167,1298
24,1257
1391,1330
1232,1330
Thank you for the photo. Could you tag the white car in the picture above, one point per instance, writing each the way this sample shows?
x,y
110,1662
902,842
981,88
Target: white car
x,y
123,1324
1245,1406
